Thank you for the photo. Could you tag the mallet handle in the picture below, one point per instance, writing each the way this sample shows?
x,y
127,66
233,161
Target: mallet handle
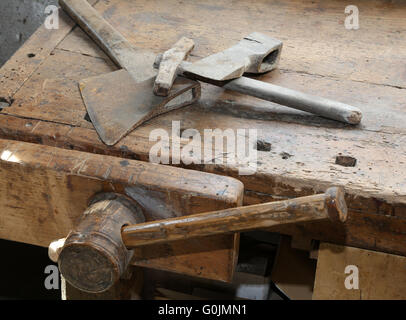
x,y
329,205
294,99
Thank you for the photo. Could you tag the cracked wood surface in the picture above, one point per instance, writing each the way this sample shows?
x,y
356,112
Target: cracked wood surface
x,y
364,68
44,191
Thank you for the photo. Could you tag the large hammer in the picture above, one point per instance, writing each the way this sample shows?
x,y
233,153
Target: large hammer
x,y
256,54
98,251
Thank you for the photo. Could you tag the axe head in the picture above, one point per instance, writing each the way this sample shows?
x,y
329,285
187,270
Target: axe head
x,y
117,103
256,53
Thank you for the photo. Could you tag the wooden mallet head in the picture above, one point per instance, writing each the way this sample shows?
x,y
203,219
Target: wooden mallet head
x,y
94,256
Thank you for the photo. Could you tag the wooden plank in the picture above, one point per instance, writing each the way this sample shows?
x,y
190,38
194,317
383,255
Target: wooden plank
x,y
22,65
44,190
369,231
381,276
146,23
53,94
374,222
312,149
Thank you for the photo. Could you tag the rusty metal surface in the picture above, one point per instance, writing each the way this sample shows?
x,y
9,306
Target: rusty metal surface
x,y
256,53
117,104
169,65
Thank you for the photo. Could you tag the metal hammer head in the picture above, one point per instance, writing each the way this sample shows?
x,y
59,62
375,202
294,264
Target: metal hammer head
x,y
256,53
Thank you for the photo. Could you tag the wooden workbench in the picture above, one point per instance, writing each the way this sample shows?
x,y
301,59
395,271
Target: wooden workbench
x,y
364,67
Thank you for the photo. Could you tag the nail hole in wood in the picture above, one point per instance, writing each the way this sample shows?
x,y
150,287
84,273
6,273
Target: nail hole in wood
x,y
346,161
87,117
4,103
191,133
263,145
285,155
124,163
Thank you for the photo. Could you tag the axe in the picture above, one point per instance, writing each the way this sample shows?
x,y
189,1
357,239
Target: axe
x,y
120,101
254,54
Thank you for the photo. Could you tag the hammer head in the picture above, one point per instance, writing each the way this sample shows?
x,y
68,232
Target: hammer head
x,y
256,53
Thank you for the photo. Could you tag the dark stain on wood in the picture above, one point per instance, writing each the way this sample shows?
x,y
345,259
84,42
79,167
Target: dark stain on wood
x,y
263,145
346,161
124,163
285,155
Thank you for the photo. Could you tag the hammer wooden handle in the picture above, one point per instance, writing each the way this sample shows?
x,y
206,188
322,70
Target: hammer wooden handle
x,y
171,60
297,100
329,205
291,98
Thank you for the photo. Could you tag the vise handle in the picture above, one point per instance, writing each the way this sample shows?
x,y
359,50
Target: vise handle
x,y
328,205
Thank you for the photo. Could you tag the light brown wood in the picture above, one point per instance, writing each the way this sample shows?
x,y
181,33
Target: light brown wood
x,y
129,288
362,67
381,276
25,62
373,222
94,256
22,65
44,191
117,47
169,64
329,205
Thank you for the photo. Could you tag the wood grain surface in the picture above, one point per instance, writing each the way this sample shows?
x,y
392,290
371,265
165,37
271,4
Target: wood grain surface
x,y
363,67
381,276
45,190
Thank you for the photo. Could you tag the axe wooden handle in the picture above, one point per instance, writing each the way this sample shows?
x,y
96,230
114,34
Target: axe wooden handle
x,y
329,205
113,43
103,33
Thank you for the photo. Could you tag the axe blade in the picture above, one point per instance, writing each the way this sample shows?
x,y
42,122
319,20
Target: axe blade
x,y
117,104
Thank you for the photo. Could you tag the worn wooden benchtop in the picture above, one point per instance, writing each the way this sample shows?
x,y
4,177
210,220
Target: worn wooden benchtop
x,y
364,67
